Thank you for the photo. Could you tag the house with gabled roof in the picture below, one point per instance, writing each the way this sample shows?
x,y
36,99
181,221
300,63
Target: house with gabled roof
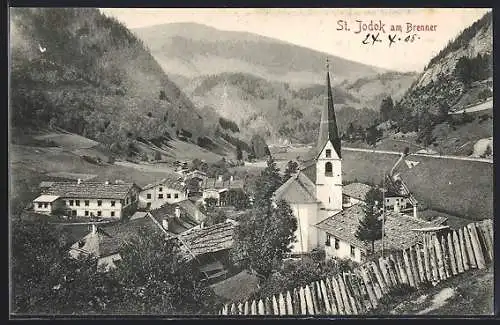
x,y
86,199
106,242
170,189
401,231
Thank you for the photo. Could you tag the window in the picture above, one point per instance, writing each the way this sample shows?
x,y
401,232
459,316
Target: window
x,y
87,203
161,189
176,195
99,203
337,243
112,213
40,205
71,202
148,205
327,242
126,201
328,169
86,213
160,196
353,251
169,196
73,212
77,203
328,153
99,213
45,205
112,203
148,196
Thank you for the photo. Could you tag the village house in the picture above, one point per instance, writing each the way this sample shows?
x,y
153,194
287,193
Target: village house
x,y
170,189
47,204
179,217
354,193
106,242
224,192
209,247
86,199
401,231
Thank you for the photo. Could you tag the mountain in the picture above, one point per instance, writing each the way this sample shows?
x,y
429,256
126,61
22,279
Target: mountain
x,y
192,50
459,77
86,73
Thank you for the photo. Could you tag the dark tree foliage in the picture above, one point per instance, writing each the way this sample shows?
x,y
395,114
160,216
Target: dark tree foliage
x,y
469,70
291,168
370,226
386,108
228,125
373,135
239,153
265,236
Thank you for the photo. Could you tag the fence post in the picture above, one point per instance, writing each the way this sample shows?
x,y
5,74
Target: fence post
x,y
369,289
331,295
326,300
303,305
421,272
275,309
427,262
458,253
308,296
338,297
289,304
281,304
253,308
451,253
408,269
476,246
383,269
444,252
353,295
484,234
439,255
262,309
345,298
463,249
470,250
401,268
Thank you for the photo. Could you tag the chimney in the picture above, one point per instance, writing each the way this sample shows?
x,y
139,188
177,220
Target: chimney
x,y
177,212
79,181
219,178
415,210
202,225
106,182
164,224
231,178
94,229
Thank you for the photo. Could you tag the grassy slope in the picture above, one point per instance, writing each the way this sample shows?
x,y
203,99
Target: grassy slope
x,y
473,295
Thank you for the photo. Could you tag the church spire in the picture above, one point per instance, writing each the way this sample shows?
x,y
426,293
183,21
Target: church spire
x,y
328,126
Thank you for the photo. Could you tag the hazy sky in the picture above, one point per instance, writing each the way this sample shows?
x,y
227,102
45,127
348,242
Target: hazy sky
x,y
317,29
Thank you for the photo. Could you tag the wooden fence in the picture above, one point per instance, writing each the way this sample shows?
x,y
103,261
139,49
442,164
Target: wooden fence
x,y
441,256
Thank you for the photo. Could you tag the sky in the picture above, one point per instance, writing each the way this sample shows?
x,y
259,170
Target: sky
x,y
318,29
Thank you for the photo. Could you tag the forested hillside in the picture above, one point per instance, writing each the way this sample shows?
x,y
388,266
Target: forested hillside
x,y
458,77
84,72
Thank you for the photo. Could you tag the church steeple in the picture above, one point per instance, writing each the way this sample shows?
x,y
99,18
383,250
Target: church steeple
x,y
328,126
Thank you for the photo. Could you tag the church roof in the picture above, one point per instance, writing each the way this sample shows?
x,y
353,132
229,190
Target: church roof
x,y
298,189
328,127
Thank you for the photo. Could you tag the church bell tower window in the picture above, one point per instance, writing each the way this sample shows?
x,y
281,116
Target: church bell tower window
x,y
328,153
328,169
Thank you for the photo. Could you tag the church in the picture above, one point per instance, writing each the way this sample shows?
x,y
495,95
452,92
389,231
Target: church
x,y
315,192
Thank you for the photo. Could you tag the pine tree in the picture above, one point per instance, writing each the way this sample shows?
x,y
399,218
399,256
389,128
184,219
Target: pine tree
x,y
291,168
239,153
370,226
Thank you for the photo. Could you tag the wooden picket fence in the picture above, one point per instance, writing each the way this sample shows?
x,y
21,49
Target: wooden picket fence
x,y
441,256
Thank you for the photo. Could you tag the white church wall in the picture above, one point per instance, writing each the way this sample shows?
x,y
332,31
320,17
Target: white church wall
x,y
306,234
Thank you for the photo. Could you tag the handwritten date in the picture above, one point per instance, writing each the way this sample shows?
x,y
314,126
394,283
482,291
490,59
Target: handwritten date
x,y
372,39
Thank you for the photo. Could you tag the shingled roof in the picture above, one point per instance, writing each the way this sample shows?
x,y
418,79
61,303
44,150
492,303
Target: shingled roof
x,y
214,183
297,189
90,190
172,181
356,190
398,228
108,240
191,212
210,239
